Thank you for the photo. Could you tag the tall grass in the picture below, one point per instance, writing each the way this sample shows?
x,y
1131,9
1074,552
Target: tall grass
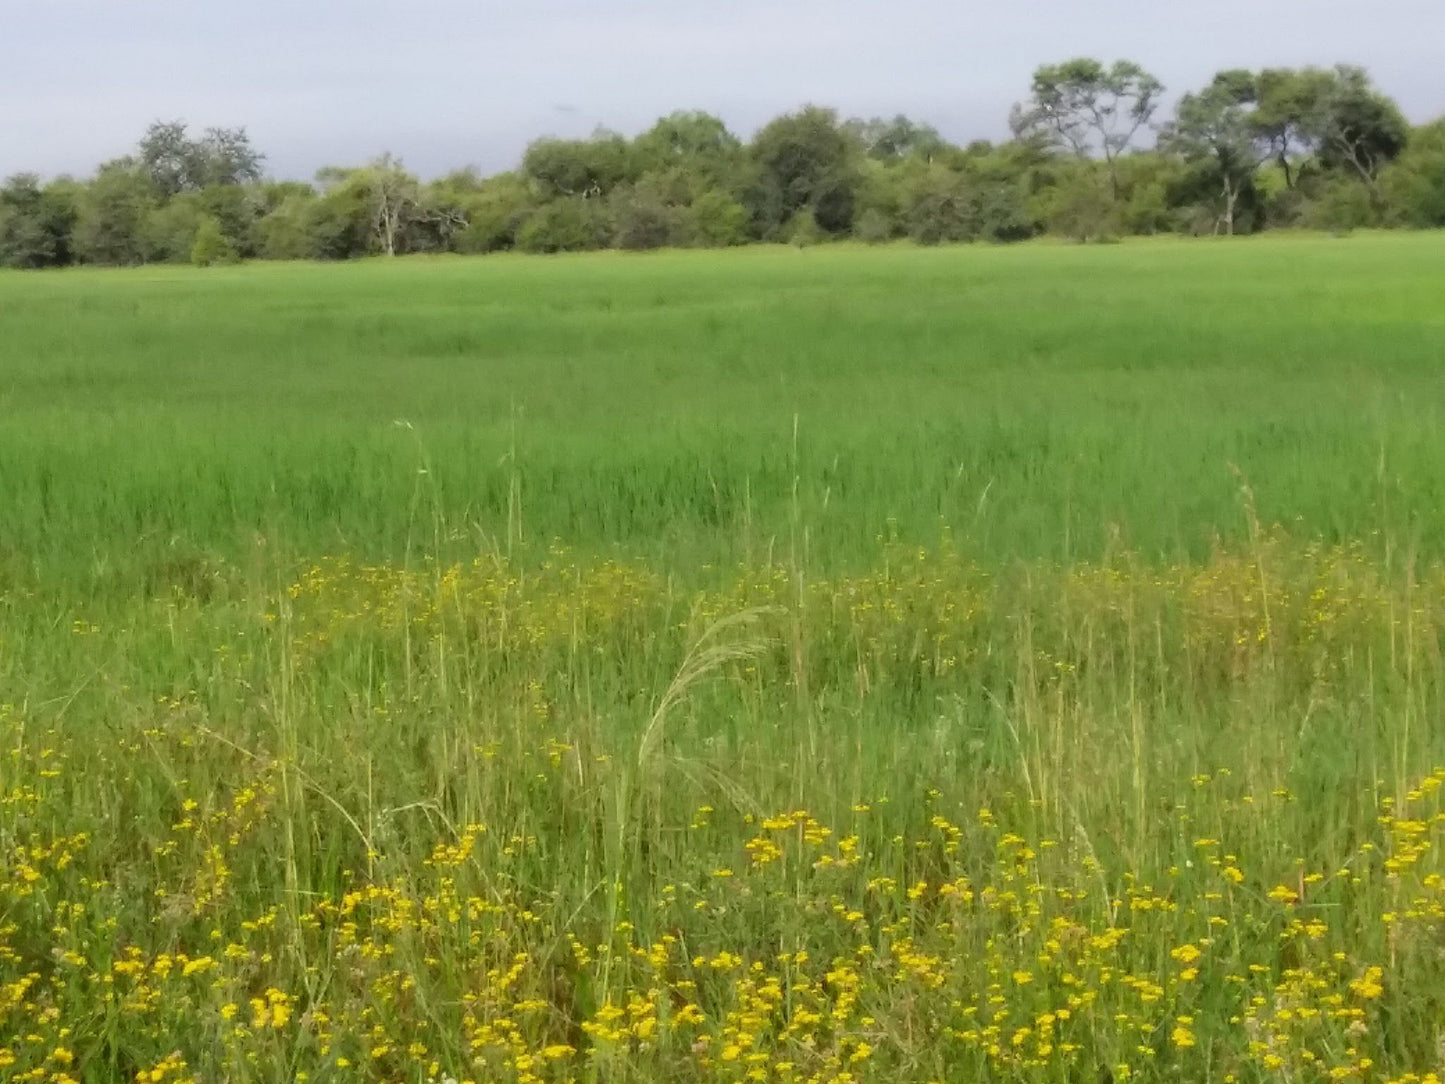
x,y
1038,401
1030,712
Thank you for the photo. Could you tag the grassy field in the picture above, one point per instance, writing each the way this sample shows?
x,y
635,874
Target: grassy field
x,y
773,665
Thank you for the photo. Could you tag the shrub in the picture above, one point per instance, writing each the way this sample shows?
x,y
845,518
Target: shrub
x,y
211,245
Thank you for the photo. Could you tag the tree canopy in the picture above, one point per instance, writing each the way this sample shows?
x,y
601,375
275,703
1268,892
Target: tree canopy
x,y
1092,156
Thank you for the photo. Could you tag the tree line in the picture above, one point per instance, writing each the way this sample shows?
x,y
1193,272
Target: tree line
x,y
1090,158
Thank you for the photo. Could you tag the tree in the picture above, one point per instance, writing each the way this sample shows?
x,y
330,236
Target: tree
x,y
283,231
177,163
169,158
645,218
495,210
393,194
386,194
169,231
34,224
718,220
805,161
942,205
111,215
578,167
1414,184
945,204
573,224
227,158
1287,107
1358,129
697,142
237,209
1089,108
1216,128
1077,203
211,245
896,139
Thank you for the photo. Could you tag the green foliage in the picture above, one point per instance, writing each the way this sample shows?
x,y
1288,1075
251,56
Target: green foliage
x,y
803,229
896,139
575,224
1414,184
1249,151
1217,130
495,210
579,167
1087,107
338,224
645,218
284,232
170,229
111,216
1287,115
874,227
806,161
1340,204
175,162
35,223
697,142
1359,130
1080,205
941,205
211,245
718,220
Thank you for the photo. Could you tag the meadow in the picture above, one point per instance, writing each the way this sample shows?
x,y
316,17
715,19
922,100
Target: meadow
x,y
776,665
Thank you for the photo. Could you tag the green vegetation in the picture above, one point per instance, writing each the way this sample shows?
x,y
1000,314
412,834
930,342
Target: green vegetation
x,y
1092,158
838,664
1041,401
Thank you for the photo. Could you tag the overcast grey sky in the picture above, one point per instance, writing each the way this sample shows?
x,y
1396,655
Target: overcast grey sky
x,y
445,83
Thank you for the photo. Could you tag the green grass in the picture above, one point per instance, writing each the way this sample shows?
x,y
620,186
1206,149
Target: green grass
x,y
1036,401
838,665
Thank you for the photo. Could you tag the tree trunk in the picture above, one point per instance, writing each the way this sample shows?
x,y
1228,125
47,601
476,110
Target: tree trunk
x,y
1231,197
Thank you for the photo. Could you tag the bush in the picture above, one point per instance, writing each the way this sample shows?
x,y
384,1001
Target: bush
x,y
170,230
283,231
1083,209
571,224
718,220
873,227
1001,214
337,226
803,229
1414,184
495,213
942,206
1341,205
644,220
211,245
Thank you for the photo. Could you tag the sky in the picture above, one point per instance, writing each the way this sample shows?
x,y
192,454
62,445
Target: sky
x,y
450,83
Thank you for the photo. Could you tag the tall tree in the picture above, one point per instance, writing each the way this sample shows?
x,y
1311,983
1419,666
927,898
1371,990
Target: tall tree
x,y
694,140
579,167
228,158
393,195
34,224
177,163
1089,108
1286,114
111,214
1415,182
806,162
1217,128
895,139
1358,129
